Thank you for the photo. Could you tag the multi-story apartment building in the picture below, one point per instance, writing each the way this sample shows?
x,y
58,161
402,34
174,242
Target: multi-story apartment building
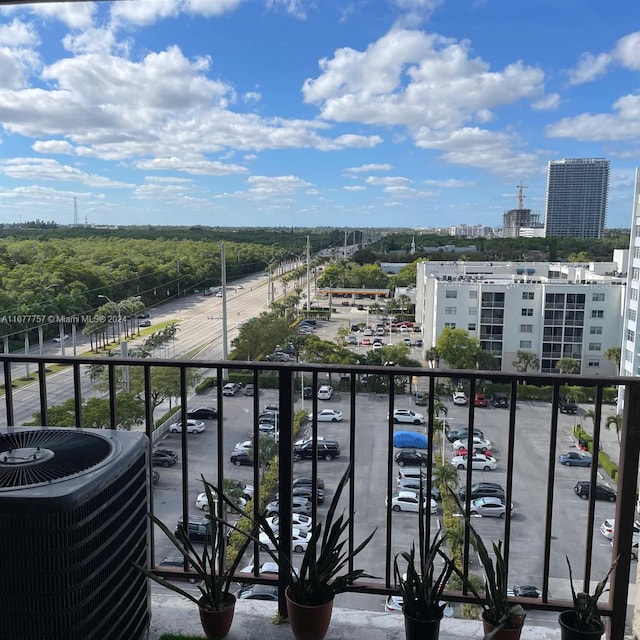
x,y
629,356
576,202
556,310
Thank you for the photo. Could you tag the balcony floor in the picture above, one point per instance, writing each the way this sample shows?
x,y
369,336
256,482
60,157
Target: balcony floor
x,y
253,621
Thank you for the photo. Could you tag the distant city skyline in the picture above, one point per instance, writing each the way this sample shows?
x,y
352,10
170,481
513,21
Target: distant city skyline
x,y
271,113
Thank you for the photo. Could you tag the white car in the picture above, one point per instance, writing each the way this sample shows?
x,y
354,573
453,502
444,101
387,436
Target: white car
x,y
608,527
478,444
327,415
459,398
202,503
407,500
193,426
406,415
245,446
299,540
64,337
478,461
325,392
299,520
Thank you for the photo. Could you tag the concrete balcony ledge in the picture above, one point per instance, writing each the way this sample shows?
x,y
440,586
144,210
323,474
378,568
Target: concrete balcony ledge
x,y
253,620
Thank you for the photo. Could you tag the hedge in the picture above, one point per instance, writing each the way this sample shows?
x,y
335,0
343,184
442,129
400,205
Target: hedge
x,y
205,385
607,464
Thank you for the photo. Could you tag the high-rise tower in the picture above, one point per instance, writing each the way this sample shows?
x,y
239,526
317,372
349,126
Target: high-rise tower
x,y
577,191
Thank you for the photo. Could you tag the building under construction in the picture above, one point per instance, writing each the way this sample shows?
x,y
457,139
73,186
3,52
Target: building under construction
x,y
520,218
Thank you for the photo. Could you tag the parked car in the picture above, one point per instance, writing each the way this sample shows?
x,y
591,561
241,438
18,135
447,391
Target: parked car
x,y
481,490
478,461
307,480
164,457
413,483
499,400
299,521
230,389
241,458
462,434
575,459
407,500
203,413
525,591
253,591
248,389
488,507
327,415
144,323
351,339
299,540
305,491
410,439
298,505
325,392
480,400
407,416
197,528
462,451
411,458
608,527
327,450
421,399
603,492
459,398
193,426
247,490
64,338
568,406
419,342
203,504
478,444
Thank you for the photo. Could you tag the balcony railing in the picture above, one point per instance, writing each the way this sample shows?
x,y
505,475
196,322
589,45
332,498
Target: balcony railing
x,y
531,436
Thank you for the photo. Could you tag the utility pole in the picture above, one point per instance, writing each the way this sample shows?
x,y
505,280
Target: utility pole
x,y
223,276
346,233
308,274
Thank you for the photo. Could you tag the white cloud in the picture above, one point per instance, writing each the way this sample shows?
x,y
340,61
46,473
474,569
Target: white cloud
x,y
252,96
294,8
59,147
270,187
18,34
624,125
366,168
416,79
75,15
627,51
195,166
589,68
388,181
354,188
550,102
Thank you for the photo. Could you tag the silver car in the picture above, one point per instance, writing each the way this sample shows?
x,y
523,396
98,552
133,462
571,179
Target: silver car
x,y
489,507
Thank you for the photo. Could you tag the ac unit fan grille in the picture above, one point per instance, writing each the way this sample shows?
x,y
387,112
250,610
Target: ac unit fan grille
x,y
41,456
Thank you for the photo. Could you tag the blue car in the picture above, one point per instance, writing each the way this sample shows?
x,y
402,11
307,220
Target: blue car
x,y
575,459
409,439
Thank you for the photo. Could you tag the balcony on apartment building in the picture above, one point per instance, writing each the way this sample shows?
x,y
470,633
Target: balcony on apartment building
x,y
549,520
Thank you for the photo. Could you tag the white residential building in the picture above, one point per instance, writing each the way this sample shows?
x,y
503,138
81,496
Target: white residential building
x,y
556,310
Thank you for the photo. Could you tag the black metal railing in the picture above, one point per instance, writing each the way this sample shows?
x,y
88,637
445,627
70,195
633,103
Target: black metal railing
x,y
384,387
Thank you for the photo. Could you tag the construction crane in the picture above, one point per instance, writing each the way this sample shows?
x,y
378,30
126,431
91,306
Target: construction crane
x,y
521,188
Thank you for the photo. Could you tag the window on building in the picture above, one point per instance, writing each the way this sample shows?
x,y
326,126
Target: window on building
x,y
597,297
525,344
595,331
526,328
594,362
634,293
451,325
450,311
527,295
473,311
597,313
595,346
526,312
473,295
636,252
635,273
628,355
450,293
471,326
631,314
631,335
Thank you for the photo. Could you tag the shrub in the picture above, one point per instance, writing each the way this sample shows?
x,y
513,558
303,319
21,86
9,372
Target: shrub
x,y
206,384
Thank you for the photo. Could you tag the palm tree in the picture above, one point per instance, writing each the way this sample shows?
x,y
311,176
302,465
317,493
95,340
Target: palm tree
x,y
524,360
615,421
446,475
614,354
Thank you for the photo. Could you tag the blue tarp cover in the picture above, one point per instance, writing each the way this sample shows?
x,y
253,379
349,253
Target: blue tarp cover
x,y
409,439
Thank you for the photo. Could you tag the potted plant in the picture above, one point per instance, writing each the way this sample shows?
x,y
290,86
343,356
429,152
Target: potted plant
x,y
583,621
421,586
216,604
501,618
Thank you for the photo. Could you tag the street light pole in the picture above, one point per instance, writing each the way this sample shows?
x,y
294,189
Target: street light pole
x,y
121,342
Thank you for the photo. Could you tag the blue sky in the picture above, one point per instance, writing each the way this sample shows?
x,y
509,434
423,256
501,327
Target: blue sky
x,y
369,113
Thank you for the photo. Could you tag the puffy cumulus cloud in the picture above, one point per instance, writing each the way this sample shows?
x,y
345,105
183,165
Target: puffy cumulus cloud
x,y
416,79
59,147
413,12
270,187
146,13
252,96
18,34
195,166
348,141
486,150
589,68
46,169
627,51
550,102
623,124
16,65
75,15
366,168
94,40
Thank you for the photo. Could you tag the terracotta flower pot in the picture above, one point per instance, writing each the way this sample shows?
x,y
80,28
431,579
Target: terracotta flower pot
x,y
308,622
567,631
216,624
502,634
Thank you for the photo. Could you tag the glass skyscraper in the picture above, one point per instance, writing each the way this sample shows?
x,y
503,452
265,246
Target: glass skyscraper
x,y
577,192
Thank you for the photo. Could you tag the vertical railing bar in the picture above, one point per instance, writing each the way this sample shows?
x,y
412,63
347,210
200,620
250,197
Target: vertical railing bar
x,y
627,487
111,374
148,427
430,450
551,473
42,387
352,471
184,456
389,519
285,478
8,394
314,442
77,394
256,467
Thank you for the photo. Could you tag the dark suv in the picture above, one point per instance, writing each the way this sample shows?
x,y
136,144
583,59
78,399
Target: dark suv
x,y
568,406
482,490
197,530
327,450
500,400
603,492
164,457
